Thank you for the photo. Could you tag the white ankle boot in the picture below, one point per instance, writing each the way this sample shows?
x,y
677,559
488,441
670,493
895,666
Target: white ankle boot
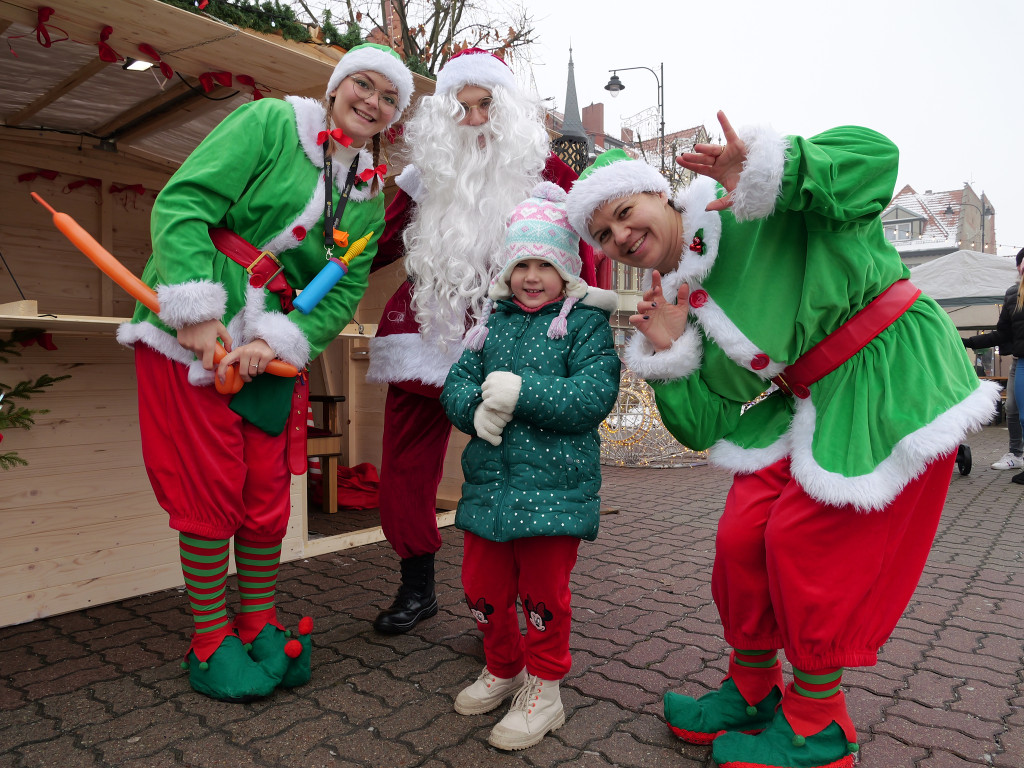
x,y
536,710
487,692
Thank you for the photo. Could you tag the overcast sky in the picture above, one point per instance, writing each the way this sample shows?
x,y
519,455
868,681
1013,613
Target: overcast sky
x,y
941,78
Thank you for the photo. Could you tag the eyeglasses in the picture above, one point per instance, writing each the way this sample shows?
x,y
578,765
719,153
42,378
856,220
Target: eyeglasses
x,y
364,89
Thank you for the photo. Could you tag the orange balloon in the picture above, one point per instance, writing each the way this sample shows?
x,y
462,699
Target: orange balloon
x,y
141,292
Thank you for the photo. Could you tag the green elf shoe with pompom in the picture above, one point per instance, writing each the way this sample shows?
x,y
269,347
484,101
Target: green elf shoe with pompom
x,y
701,721
283,656
778,746
229,674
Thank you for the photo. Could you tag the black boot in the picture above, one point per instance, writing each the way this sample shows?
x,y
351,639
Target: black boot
x,y
416,599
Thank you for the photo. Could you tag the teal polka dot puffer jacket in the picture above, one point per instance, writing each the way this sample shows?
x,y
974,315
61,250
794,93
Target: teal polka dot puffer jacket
x,y
544,479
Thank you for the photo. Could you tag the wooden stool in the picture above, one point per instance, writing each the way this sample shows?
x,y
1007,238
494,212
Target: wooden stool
x,y
326,444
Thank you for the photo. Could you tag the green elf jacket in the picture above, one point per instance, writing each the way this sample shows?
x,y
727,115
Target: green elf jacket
x,y
800,251
260,174
544,479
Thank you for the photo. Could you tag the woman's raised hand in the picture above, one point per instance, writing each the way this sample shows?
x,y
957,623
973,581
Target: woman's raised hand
x,y
722,163
661,321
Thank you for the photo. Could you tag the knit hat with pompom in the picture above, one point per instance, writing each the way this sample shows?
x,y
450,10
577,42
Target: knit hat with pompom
x,y
538,229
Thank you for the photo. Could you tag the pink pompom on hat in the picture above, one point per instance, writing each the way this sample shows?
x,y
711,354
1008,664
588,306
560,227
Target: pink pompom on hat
x,y
474,66
538,229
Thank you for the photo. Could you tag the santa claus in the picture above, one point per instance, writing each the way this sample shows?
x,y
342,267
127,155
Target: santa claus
x,y
477,147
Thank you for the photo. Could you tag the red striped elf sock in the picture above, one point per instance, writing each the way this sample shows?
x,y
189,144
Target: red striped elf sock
x,y
819,684
204,564
258,564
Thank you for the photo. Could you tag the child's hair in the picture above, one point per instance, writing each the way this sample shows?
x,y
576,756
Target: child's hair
x,y
537,229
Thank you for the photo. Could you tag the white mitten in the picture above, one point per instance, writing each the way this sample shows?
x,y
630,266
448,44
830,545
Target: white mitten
x,y
489,424
501,391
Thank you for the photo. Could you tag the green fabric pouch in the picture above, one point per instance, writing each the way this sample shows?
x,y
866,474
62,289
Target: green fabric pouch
x,y
265,402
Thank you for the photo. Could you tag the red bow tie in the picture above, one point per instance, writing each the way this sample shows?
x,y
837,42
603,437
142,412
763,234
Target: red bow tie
x,y
369,173
337,134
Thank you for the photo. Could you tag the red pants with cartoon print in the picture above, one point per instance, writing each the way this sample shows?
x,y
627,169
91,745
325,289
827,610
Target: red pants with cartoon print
x,y
214,473
536,570
827,584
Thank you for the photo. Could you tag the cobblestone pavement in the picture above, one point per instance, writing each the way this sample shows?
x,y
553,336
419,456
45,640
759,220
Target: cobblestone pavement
x,y
103,687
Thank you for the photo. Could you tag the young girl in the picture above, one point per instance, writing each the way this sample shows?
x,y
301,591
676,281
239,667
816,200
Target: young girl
x,y
532,386
272,178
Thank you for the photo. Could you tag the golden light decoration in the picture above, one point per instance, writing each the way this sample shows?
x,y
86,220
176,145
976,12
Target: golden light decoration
x,y
633,435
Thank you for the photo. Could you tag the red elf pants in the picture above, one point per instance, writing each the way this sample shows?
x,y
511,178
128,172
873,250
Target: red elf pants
x,y
827,584
214,473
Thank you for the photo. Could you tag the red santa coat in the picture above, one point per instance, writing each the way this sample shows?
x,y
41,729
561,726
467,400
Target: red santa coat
x,y
398,353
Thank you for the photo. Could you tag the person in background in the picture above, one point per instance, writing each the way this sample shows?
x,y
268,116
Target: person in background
x,y
531,388
1012,459
477,147
272,178
840,473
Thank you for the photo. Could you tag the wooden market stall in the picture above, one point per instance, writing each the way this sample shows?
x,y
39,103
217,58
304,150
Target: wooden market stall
x,y
80,525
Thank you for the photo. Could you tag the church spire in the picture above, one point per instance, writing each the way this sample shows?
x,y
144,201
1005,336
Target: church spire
x,y
572,124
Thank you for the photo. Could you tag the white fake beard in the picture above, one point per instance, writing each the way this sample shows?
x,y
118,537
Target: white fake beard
x,y
459,229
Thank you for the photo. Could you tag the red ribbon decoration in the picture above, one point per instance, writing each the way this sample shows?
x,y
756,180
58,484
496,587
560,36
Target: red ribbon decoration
x,y
136,188
149,51
50,175
257,90
72,186
43,15
337,134
209,79
381,170
44,338
106,52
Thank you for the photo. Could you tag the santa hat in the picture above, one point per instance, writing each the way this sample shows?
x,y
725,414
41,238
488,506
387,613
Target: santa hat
x,y
613,175
474,66
370,57
538,229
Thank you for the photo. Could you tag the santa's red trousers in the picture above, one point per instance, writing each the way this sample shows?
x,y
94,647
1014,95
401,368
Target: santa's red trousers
x,y
827,584
416,432
536,570
214,473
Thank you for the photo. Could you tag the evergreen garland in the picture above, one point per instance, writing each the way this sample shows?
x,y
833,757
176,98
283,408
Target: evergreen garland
x,y
268,17
18,416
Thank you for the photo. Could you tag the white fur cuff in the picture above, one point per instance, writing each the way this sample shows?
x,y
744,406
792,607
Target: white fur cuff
x,y
676,362
761,180
410,181
193,302
287,340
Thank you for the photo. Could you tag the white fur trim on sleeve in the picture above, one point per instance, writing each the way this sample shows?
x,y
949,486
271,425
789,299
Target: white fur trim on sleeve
x,y
676,362
193,302
761,180
410,181
287,340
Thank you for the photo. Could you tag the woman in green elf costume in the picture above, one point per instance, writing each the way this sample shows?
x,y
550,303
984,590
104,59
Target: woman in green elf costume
x,y
771,272
250,217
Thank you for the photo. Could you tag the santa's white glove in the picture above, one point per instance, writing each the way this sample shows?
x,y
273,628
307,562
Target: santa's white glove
x,y
501,391
490,424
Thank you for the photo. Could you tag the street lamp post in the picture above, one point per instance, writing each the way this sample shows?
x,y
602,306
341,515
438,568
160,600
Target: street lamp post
x,y
984,211
615,85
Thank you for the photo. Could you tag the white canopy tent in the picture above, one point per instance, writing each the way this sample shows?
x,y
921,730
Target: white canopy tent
x,y
969,285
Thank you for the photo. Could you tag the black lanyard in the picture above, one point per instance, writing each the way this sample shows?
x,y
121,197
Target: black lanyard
x,y
329,218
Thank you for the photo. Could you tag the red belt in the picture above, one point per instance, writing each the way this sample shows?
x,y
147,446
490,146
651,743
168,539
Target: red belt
x,y
849,339
265,271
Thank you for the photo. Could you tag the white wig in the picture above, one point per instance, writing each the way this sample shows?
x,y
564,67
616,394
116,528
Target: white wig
x,y
469,191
